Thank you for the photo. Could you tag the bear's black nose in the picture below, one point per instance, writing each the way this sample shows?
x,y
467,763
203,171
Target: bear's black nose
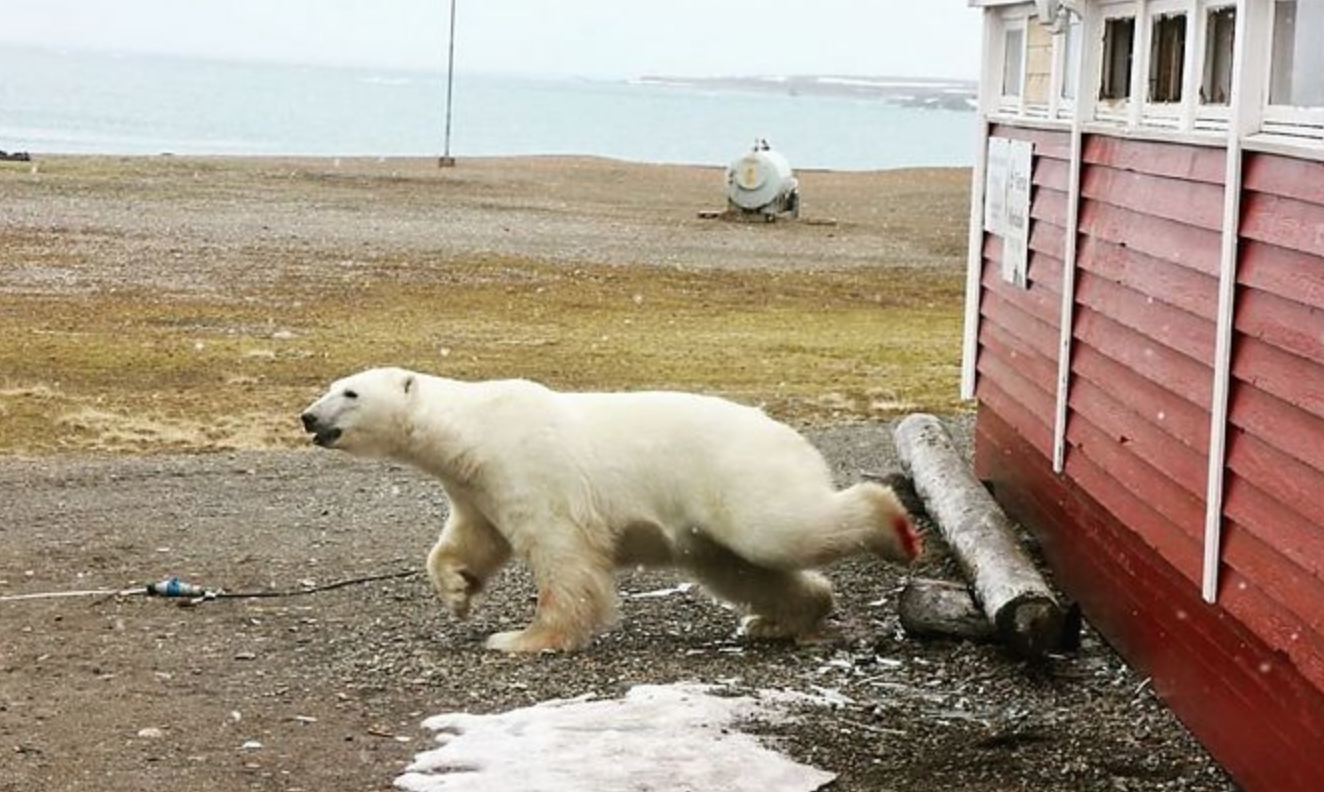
x,y
309,422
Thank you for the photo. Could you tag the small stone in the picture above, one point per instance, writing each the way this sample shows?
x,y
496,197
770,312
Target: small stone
x,y
151,733
251,745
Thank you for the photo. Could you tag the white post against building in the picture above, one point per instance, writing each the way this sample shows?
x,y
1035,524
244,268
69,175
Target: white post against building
x,y
446,160
1251,39
975,254
1088,62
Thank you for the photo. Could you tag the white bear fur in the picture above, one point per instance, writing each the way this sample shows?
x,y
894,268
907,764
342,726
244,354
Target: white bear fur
x,y
579,484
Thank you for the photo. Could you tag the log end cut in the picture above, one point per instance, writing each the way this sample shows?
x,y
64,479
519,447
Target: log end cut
x,y
942,609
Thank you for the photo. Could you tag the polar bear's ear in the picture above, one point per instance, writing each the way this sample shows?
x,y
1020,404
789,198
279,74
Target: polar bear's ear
x,y
409,383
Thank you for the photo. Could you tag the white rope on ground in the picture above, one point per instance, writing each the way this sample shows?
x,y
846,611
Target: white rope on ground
x,y
189,591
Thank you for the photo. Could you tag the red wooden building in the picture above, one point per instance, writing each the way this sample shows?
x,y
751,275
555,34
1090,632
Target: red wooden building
x,y
1145,339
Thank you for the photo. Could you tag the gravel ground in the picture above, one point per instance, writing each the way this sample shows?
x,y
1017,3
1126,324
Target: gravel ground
x,y
333,685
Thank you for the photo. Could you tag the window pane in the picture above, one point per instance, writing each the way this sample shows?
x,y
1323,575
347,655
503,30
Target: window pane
x,y
1118,43
1220,30
1038,62
1167,54
1013,51
1298,58
1071,58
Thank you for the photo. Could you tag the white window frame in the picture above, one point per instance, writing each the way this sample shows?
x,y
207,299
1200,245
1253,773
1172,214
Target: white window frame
x,y
1208,117
1290,120
1046,109
1061,107
1016,19
1164,115
1119,111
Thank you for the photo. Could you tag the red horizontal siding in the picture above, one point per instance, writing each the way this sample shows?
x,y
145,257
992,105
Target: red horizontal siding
x,y
1169,520
1187,289
1190,202
1190,163
1050,206
1295,380
1040,337
1175,328
1278,498
1131,426
1286,273
1264,727
1284,323
1036,395
1184,421
1138,432
1284,222
1280,424
1162,366
1286,176
1051,173
1037,368
1039,303
1282,631
1197,248
1026,424
1048,239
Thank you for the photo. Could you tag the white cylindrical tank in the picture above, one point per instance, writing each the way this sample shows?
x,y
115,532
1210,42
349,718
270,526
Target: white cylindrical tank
x,y
761,181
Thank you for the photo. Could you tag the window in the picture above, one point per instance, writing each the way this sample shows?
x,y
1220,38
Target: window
x,y
1038,63
1070,59
1167,55
1216,80
1013,54
1298,59
1118,43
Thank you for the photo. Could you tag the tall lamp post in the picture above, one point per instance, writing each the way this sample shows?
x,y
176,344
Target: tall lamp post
x,y
446,160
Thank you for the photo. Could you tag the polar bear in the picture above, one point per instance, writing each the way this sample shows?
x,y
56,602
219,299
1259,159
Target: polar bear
x,y
580,484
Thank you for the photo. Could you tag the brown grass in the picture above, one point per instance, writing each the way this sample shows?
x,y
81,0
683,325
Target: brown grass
x,y
142,364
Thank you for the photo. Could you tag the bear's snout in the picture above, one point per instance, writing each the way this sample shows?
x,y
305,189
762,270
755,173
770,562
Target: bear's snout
x,y
323,434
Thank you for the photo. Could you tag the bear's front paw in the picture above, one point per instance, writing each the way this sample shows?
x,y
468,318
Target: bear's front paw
x,y
456,588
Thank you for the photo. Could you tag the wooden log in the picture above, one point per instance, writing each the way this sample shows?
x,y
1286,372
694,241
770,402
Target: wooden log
x,y
942,609
1023,611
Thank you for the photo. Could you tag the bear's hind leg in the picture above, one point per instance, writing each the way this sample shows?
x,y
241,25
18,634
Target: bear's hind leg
x,y
777,603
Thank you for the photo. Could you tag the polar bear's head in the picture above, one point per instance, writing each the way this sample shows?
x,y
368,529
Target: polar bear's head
x,y
366,414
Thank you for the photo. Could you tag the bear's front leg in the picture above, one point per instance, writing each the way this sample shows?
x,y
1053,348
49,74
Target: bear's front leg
x,y
468,552
576,601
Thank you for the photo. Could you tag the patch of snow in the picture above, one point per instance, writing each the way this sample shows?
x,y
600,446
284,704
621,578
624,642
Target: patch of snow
x,y
659,737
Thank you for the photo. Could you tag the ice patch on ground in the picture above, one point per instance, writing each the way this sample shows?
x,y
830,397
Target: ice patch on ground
x,y
659,737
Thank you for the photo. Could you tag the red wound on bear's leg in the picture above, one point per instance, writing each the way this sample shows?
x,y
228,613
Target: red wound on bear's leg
x,y
911,541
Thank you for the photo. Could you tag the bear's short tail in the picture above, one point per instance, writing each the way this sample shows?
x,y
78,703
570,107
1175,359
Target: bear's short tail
x,y
889,531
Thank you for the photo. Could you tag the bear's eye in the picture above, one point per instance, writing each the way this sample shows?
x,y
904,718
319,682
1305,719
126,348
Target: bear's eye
x,y
349,394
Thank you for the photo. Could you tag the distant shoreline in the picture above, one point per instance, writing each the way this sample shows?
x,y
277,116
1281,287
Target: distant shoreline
x,y
916,92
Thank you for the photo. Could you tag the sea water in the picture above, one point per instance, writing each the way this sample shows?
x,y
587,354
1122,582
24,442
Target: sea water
x,y
78,102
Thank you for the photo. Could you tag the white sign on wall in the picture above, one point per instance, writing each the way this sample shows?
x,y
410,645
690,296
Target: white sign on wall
x,y
1007,204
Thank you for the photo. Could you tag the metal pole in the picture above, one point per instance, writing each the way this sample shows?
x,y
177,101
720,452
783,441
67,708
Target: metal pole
x,y
447,160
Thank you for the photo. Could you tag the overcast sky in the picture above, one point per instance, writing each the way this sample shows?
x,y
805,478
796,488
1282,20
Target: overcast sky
x,y
591,38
